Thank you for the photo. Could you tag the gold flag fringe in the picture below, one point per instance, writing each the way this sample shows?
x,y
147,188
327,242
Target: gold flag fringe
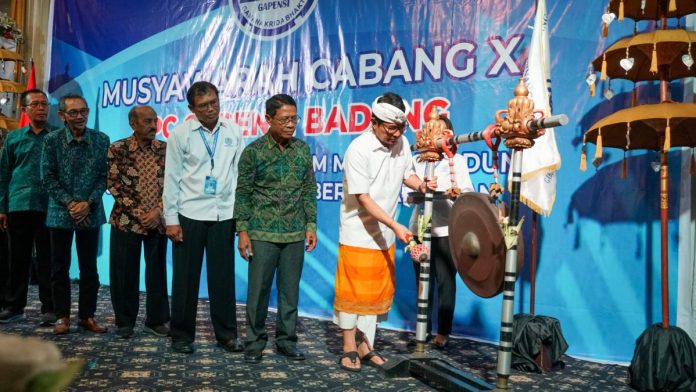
x,y
583,158
621,10
672,5
592,90
605,30
537,208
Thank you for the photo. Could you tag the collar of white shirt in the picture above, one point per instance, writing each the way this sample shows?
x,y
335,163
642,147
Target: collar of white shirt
x,y
374,143
196,125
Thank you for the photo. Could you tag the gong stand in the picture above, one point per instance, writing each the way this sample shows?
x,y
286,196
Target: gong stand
x,y
431,142
426,368
424,267
518,125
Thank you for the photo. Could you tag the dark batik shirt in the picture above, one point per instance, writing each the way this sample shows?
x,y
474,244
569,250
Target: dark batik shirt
x,y
276,191
74,171
20,166
135,180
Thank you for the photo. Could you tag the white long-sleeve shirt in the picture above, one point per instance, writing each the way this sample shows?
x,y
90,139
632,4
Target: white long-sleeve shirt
x,y
442,207
187,166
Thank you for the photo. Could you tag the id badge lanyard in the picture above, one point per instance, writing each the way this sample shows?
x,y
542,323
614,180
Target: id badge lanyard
x,y
211,151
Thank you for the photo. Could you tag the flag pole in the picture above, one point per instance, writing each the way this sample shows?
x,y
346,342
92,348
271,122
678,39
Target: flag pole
x,y
532,272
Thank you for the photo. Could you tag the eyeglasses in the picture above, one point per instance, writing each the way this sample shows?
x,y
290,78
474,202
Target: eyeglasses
x,y
74,113
211,104
35,105
394,128
288,120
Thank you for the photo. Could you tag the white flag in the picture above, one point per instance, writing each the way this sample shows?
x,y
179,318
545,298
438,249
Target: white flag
x,y
539,163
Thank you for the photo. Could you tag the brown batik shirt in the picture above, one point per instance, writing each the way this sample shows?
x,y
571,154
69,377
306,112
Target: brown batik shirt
x,y
135,180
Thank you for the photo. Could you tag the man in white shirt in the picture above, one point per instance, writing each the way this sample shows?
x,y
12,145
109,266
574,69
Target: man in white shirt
x,y
375,166
200,179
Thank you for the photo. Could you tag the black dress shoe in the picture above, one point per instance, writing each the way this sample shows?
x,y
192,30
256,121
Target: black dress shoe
x,y
182,347
232,345
253,356
124,332
290,352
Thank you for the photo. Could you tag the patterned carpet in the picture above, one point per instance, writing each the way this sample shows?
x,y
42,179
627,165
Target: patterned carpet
x,y
145,362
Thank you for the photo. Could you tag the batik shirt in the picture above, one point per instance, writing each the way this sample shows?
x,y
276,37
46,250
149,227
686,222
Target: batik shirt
x,y
74,171
20,177
135,180
276,191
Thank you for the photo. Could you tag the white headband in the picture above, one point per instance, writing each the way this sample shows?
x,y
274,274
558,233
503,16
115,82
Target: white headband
x,y
389,113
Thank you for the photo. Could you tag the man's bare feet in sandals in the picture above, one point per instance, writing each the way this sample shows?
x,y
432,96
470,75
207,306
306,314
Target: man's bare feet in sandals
x,y
350,361
370,357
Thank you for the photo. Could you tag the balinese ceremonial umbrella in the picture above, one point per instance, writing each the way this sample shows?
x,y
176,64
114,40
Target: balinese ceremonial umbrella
x,y
654,127
643,127
657,55
665,356
651,9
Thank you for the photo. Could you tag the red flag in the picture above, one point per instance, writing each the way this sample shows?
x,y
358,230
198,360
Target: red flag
x,y
31,84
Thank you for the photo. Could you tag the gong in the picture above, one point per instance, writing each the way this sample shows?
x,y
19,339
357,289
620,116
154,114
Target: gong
x,y
478,245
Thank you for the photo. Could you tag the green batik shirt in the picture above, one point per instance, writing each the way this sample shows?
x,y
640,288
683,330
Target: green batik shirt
x,y
20,179
276,191
74,170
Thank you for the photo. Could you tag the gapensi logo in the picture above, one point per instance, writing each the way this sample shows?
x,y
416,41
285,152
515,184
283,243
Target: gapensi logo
x,y
271,19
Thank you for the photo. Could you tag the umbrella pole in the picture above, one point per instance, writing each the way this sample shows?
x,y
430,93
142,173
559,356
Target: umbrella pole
x,y
424,267
664,10
664,178
506,332
664,82
532,272
663,238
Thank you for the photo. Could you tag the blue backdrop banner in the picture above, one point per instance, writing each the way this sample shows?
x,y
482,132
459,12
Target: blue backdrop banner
x,y
598,268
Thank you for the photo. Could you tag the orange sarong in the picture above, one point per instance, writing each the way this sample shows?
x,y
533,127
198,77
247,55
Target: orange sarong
x,y
364,280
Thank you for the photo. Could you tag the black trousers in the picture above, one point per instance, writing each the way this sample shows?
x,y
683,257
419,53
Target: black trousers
x,y
27,231
4,269
217,240
124,276
269,257
87,244
442,280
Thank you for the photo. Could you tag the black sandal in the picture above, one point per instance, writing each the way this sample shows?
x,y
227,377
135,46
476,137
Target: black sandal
x,y
367,359
353,356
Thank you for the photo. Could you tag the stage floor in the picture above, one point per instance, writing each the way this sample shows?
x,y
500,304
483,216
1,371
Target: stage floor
x,y
145,362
